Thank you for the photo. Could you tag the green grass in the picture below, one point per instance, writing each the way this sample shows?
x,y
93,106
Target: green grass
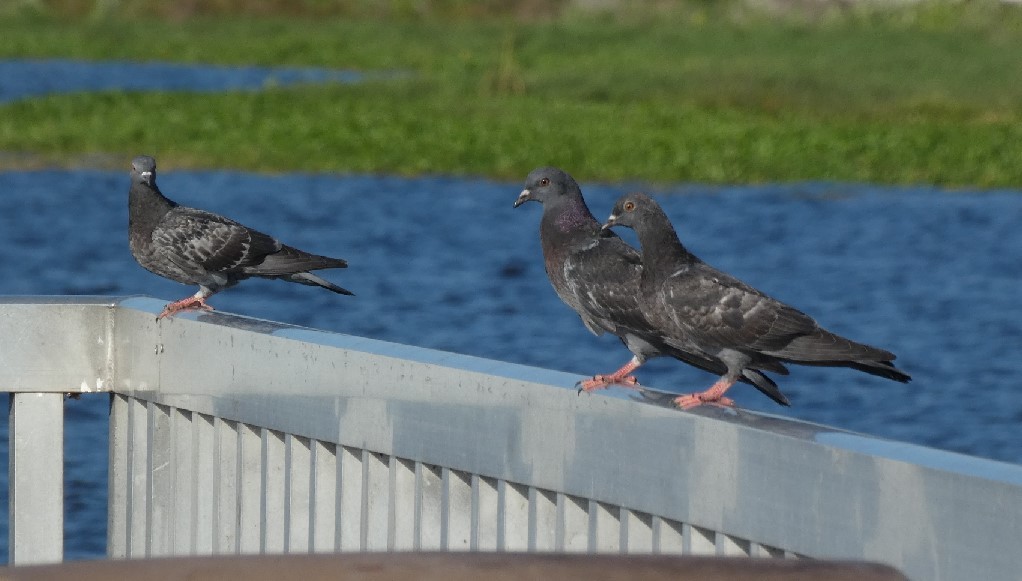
x,y
925,94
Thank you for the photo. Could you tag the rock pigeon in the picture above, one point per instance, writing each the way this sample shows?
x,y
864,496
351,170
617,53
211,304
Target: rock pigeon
x,y
196,247
697,306
597,274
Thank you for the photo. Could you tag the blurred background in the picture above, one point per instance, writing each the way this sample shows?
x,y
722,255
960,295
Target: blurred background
x,y
730,91
861,161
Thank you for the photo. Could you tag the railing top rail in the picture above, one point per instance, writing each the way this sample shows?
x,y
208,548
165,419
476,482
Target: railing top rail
x,y
94,315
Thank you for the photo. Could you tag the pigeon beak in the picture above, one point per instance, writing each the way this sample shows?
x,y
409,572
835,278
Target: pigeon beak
x,y
147,176
611,221
523,197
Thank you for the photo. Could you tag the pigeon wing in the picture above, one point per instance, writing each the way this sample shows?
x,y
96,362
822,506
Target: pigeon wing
x,y
206,242
603,279
717,311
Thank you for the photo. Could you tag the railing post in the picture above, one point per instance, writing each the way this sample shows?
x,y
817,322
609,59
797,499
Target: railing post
x,y
36,509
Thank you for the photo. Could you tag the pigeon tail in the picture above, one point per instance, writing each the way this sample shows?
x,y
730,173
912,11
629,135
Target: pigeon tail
x,y
881,369
307,278
822,346
290,260
826,349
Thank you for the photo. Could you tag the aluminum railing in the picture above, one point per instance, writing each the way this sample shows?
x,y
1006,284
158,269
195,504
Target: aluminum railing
x,y
236,435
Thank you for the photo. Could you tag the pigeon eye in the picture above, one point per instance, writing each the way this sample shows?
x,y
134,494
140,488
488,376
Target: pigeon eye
x,y
629,206
544,182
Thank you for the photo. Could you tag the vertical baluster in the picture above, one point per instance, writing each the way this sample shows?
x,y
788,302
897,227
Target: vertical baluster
x,y
323,526
636,532
156,478
430,507
351,479
573,524
376,500
457,524
605,527
513,518
484,513
205,485
139,462
542,520
225,466
298,489
271,519
668,536
117,479
36,478
699,541
250,488
402,505
183,492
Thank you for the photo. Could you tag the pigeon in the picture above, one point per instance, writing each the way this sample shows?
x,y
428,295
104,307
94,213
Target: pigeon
x,y
196,247
597,274
747,332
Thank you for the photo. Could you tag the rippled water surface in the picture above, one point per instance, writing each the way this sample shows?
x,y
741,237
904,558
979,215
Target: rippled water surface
x,y
448,264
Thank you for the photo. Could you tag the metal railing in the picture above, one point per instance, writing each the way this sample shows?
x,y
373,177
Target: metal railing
x,y
236,435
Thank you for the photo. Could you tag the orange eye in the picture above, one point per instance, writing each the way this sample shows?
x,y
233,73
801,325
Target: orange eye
x,y
629,206
544,182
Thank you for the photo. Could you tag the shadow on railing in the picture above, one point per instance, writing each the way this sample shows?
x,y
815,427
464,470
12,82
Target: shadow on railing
x,y
231,435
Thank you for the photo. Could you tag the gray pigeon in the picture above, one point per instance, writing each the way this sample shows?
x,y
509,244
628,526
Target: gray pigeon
x,y
696,306
597,274
196,247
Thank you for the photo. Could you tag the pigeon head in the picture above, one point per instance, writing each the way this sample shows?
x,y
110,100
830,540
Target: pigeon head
x,y
630,209
143,170
548,185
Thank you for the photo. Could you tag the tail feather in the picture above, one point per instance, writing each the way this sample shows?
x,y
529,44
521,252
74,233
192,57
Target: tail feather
x,y
290,260
765,385
882,369
823,346
310,279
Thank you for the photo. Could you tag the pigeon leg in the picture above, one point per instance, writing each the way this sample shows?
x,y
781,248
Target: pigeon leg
x,y
714,396
620,377
188,304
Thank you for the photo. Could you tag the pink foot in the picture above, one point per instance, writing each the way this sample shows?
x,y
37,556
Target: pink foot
x,y
687,402
621,377
188,304
604,381
712,396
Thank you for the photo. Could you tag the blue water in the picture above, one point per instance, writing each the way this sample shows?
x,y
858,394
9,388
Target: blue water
x,y
447,263
23,78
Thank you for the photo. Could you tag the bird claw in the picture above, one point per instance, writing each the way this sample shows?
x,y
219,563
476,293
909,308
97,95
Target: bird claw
x,y
189,304
692,400
604,381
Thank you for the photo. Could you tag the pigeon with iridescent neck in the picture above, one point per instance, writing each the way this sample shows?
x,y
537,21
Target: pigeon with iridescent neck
x,y
596,273
196,247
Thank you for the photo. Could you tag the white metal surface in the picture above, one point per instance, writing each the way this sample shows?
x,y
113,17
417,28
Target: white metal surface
x,y
36,470
234,435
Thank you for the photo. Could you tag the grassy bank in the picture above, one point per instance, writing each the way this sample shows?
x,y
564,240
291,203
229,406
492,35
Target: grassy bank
x,y
925,94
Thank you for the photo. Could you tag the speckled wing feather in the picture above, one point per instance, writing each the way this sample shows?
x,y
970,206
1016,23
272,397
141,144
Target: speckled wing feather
x,y
602,280
205,242
718,311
